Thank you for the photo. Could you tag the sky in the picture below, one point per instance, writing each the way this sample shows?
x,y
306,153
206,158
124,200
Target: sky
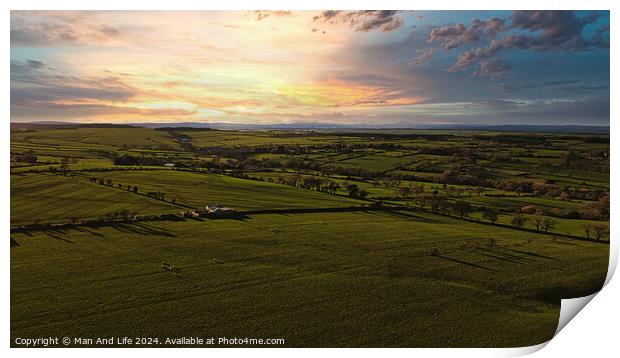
x,y
345,67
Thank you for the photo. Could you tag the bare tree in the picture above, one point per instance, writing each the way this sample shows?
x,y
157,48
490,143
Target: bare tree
x,y
490,214
518,221
599,231
463,208
587,228
538,219
548,224
423,199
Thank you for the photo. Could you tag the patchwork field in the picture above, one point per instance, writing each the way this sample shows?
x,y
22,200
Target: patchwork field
x,y
388,238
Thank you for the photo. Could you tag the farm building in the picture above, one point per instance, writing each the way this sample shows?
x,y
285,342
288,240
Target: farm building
x,y
219,209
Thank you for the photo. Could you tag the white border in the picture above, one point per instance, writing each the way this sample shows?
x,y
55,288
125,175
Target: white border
x,y
593,331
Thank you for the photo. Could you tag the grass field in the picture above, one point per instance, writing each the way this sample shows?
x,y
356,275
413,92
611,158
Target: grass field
x,y
362,271
198,190
359,279
54,198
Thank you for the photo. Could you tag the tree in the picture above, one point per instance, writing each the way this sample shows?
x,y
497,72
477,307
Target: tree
x,y
438,202
332,187
518,221
124,213
569,157
587,228
417,189
63,165
490,214
548,224
538,219
404,191
603,207
423,199
599,231
353,190
463,208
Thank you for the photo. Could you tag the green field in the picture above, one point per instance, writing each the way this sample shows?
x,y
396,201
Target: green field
x,y
54,198
338,239
198,190
312,279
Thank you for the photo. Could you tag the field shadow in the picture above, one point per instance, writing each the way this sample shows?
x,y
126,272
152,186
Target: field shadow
x,y
238,217
142,229
14,243
534,255
195,218
56,234
409,215
89,231
495,255
466,263
399,214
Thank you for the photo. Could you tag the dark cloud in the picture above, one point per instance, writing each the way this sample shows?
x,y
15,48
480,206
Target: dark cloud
x,y
33,82
539,31
453,36
492,68
363,20
35,64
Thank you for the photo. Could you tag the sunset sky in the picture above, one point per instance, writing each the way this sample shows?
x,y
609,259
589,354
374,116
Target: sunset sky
x,y
345,67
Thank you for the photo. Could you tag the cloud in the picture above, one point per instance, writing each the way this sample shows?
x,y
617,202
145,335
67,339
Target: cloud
x,y
363,20
82,111
568,86
33,82
58,28
424,55
35,64
515,87
539,31
492,68
453,36
262,14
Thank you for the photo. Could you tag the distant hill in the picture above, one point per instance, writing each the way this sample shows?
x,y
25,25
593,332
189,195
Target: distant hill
x,y
329,126
65,125
320,126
